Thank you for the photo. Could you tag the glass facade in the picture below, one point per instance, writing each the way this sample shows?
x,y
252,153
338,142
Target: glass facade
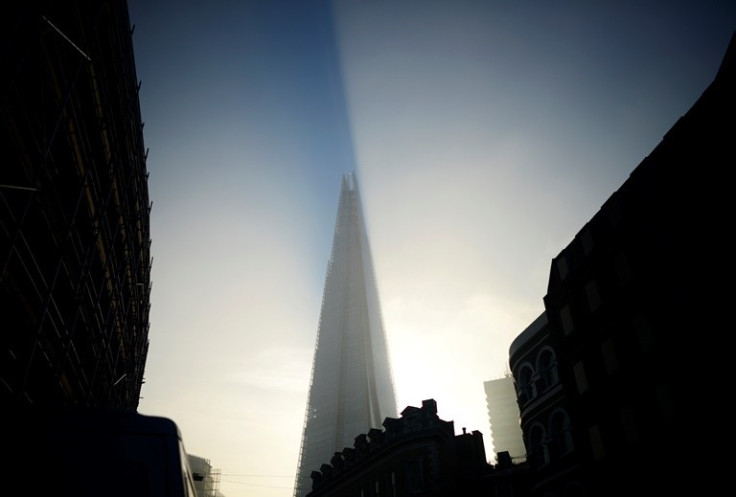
x,y
352,388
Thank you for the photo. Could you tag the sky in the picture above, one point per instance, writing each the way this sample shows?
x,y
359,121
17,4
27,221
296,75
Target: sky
x,y
484,135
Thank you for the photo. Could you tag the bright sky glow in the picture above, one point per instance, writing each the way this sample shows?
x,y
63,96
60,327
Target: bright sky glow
x,y
485,133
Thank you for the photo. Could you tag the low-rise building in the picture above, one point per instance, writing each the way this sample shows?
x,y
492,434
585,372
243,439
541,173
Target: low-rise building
x,y
416,454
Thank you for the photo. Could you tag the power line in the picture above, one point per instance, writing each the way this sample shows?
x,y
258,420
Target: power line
x,y
258,476
252,484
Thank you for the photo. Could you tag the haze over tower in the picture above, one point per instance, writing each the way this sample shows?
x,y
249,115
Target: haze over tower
x,y
351,389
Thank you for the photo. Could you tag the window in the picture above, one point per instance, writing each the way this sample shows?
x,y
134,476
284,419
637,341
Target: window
x,y
596,442
414,476
628,424
391,484
591,293
610,359
560,432
621,266
548,368
537,446
566,320
643,333
562,266
527,391
581,379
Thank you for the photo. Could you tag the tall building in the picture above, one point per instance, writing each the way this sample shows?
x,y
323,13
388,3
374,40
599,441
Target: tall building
x,y
503,416
351,389
74,207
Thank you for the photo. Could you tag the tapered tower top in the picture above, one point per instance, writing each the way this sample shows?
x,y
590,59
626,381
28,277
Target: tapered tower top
x,y
352,387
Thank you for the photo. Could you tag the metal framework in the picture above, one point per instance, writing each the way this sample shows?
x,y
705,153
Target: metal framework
x,y
206,478
351,389
74,208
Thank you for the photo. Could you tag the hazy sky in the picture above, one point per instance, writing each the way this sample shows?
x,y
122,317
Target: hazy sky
x,y
484,134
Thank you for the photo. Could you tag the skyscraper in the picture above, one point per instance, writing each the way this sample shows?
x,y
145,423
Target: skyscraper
x,y
351,389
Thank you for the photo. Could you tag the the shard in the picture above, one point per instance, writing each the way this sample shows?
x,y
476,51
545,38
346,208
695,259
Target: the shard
x,y
351,390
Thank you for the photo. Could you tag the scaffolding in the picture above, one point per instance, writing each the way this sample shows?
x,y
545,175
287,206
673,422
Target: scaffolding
x,y
206,478
74,208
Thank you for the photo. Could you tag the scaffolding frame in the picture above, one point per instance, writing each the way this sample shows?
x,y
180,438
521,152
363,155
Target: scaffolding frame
x,y
75,246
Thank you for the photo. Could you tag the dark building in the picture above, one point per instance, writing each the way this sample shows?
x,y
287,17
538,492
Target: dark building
x,y
416,454
618,380
74,207
544,412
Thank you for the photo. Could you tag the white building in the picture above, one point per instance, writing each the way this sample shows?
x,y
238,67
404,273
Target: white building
x,y
503,415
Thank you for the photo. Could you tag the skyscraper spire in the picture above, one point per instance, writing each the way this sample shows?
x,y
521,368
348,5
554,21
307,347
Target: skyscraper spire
x,y
352,388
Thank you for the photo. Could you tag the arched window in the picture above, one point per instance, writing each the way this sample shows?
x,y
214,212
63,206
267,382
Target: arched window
x,y
537,446
525,387
547,367
560,434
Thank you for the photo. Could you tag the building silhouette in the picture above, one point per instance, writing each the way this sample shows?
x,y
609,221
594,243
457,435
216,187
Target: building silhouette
x,y
618,380
416,454
74,207
544,411
503,418
351,388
